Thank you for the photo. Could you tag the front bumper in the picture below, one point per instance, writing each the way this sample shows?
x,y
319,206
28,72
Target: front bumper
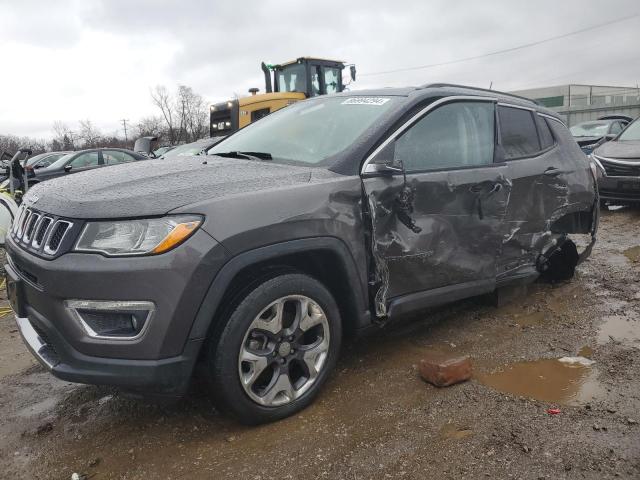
x,y
167,376
162,359
619,189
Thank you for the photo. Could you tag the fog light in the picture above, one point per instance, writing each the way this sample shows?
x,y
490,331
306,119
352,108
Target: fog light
x,y
113,320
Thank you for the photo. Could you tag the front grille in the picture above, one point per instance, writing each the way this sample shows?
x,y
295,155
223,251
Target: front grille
x,y
614,169
40,233
42,230
59,230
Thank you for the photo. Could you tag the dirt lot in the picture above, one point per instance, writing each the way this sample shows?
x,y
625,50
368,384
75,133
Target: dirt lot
x,y
376,418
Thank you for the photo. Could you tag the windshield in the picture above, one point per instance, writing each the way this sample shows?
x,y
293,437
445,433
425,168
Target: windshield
x,y
308,132
631,133
61,161
292,78
186,150
45,160
590,129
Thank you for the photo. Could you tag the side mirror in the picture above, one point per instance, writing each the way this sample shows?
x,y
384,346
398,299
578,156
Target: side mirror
x,y
67,168
608,137
352,70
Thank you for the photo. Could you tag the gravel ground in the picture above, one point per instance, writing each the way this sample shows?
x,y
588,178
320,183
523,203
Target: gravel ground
x,y
375,417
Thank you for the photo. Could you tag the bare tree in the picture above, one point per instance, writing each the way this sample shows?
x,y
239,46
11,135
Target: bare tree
x,y
151,126
193,113
63,137
89,134
162,99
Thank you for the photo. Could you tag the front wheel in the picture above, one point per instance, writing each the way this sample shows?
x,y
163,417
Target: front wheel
x,y
276,349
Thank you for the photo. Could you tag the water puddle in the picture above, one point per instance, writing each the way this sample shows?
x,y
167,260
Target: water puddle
x,y
633,254
450,431
570,382
624,329
521,316
586,352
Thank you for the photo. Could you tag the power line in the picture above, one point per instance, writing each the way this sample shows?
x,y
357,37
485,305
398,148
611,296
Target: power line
x,y
505,50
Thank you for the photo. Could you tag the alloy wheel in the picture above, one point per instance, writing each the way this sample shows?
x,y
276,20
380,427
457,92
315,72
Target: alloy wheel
x,y
284,350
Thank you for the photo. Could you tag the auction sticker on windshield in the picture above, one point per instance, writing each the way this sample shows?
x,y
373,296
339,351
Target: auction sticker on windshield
x,y
365,101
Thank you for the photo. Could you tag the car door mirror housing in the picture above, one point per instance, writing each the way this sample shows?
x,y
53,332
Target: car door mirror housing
x,y
608,137
67,168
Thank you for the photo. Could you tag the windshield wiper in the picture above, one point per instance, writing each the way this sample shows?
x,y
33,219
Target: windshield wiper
x,y
246,155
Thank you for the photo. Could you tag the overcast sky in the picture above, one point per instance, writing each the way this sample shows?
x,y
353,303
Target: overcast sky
x,y
97,59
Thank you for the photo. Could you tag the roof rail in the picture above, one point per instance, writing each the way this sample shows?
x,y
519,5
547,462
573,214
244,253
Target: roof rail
x,y
454,85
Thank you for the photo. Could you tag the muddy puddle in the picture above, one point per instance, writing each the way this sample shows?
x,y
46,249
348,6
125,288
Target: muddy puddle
x,y
521,315
549,380
450,431
621,329
633,254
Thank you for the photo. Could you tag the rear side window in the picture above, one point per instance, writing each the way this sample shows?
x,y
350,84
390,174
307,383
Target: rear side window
x,y
546,137
459,134
518,134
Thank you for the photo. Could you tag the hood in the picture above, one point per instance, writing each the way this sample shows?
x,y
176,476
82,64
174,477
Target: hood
x,y
623,150
155,187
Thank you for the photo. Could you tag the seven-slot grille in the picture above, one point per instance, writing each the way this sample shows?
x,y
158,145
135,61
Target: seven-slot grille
x,y
38,231
615,169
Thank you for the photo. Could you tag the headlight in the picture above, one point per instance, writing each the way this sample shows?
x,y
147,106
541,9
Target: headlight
x,y
137,237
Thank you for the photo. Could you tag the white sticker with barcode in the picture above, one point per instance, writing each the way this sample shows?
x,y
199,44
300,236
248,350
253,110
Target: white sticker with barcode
x,y
365,101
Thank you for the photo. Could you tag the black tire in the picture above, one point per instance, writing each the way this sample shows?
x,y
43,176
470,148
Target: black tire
x,y
223,348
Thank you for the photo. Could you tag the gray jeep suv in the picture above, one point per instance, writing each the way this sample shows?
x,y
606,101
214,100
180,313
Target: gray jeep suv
x,y
333,216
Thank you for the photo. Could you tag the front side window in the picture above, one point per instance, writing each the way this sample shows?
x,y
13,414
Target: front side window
x,y
631,133
518,134
615,128
459,134
308,132
331,79
89,159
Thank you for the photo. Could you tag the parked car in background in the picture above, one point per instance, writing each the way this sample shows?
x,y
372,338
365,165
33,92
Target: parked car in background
x,y
591,134
619,162
335,215
194,148
43,160
158,152
81,161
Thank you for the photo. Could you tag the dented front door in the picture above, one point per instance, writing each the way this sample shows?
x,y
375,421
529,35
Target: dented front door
x,y
441,226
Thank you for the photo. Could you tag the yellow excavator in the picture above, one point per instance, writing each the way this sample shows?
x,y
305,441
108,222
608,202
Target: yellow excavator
x,y
292,81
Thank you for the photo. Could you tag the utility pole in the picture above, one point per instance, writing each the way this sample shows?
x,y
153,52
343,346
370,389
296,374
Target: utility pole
x,y
124,125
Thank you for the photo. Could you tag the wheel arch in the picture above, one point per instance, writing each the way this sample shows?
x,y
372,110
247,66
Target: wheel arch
x,y
325,258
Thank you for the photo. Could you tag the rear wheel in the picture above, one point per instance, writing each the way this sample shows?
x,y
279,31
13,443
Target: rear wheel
x,y
276,349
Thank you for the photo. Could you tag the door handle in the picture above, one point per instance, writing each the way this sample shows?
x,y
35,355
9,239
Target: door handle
x,y
552,171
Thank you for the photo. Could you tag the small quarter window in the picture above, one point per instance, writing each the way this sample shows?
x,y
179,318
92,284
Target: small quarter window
x,y
546,137
518,134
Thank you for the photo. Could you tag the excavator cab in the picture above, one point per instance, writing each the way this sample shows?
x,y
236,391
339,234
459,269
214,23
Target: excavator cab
x,y
285,84
311,76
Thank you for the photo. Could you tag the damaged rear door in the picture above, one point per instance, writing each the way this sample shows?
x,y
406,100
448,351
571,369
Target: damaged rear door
x,y
437,202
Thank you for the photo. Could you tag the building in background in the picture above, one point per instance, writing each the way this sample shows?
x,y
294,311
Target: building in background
x,y
580,103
